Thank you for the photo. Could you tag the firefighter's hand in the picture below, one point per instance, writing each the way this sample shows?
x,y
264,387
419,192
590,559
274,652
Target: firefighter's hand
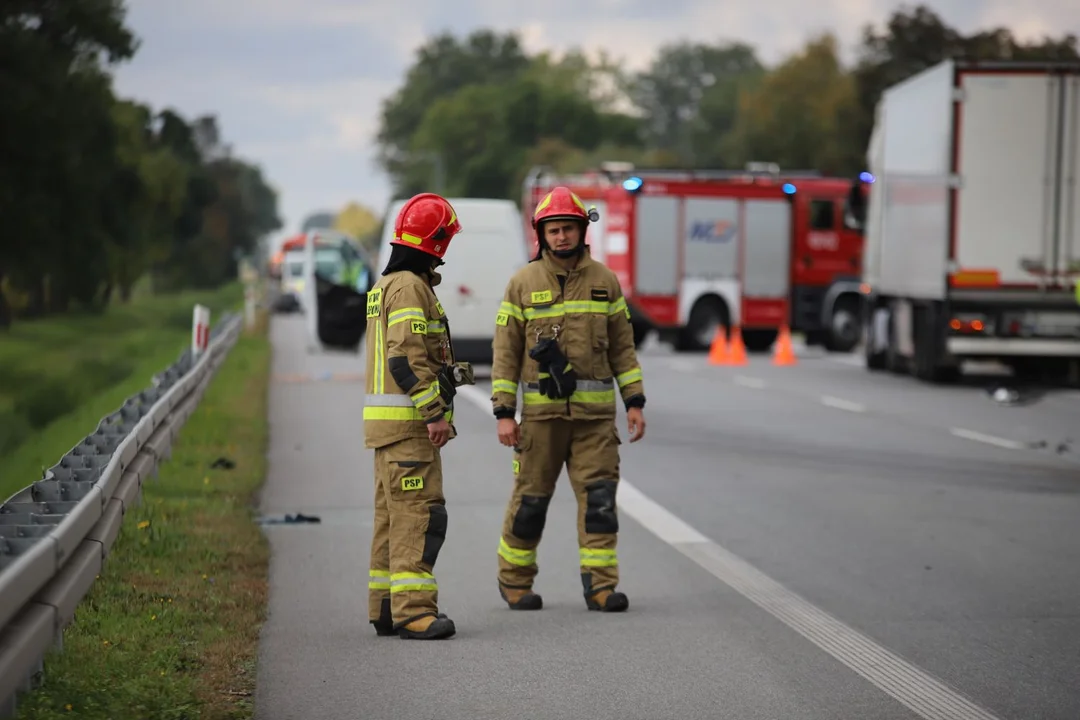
x,y
635,423
509,433
439,432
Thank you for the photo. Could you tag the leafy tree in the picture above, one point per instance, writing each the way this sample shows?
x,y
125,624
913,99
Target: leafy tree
x,y
97,191
689,94
799,113
359,222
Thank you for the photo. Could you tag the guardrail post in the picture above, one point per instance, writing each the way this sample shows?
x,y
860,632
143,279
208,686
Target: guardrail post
x,y
200,331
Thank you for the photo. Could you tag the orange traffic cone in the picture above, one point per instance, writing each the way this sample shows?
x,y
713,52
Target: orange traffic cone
x,y
738,349
785,353
718,351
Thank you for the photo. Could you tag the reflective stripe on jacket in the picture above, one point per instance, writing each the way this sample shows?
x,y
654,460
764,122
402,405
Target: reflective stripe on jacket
x,y
587,310
407,344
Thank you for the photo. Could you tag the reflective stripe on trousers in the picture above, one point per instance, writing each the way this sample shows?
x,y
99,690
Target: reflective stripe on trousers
x,y
516,556
401,582
592,557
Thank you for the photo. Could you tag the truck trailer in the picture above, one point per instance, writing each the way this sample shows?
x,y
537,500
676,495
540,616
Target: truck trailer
x,y
972,244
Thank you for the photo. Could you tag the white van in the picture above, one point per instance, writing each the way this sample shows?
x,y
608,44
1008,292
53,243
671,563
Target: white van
x,y
479,263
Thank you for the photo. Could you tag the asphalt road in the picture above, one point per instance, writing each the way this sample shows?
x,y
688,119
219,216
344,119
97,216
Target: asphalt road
x,y
797,542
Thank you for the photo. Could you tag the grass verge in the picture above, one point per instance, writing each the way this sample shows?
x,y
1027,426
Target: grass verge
x,y
170,628
61,375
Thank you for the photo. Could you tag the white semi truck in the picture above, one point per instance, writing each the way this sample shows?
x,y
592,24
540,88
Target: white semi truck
x,y
973,221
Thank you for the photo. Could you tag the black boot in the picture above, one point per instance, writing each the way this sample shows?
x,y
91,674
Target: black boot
x,y
384,626
521,598
607,600
427,627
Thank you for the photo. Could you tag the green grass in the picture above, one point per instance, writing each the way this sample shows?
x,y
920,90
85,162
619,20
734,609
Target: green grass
x,y
60,376
170,628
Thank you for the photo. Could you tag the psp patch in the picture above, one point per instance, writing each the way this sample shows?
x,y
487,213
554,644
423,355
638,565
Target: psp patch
x,y
540,297
412,483
501,319
419,327
374,302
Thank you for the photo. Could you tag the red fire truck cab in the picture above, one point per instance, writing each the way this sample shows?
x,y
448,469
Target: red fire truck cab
x,y
697,250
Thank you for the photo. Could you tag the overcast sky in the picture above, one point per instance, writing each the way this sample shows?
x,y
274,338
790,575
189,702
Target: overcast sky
x,y
297,85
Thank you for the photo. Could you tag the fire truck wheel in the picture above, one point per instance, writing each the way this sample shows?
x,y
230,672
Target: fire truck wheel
x,y
709,314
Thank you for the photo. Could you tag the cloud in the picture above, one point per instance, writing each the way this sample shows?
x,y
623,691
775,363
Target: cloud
x,y
297,85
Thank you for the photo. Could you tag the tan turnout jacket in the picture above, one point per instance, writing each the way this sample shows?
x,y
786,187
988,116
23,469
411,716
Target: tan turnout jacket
x,y
589,313
407,344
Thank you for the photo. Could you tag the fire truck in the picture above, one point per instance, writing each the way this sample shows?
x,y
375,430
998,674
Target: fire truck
x,y
699,250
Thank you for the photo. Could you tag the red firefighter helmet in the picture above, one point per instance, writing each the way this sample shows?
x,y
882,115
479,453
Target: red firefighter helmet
x,y
560,204
427,222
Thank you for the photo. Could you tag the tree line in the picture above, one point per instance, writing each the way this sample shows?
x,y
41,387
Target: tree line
x,y
474,114
97,191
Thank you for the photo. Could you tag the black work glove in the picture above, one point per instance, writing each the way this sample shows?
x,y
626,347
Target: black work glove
x,y
563,380
564,377
446,384
545,380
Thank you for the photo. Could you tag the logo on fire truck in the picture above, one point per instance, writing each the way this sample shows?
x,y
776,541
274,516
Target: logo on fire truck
x,y
712,231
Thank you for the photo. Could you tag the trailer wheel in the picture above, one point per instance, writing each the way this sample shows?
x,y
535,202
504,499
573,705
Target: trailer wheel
x,y
709,314
875,359
928,366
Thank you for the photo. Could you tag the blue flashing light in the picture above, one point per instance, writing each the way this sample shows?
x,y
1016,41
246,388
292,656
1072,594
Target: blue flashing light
x,y
866,177
632,184
788,189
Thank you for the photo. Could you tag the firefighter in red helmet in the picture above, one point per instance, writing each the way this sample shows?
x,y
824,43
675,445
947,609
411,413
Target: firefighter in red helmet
x,y
563,335
408,414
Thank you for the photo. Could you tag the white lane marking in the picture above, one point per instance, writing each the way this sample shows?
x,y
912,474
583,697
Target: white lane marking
x,y
841,404
917,690
988,439
852,360
750,382
682,365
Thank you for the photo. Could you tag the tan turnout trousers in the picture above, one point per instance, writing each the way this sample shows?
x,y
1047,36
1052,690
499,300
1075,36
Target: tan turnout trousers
x,y
590,451
406,542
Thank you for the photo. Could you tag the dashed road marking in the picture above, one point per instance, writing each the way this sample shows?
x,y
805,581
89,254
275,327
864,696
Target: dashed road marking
x,y
920,692
683,365
852,359
841,404
988,439
750,382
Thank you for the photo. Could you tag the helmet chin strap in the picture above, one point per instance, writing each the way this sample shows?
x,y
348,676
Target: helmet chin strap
x,y
567,254
434,277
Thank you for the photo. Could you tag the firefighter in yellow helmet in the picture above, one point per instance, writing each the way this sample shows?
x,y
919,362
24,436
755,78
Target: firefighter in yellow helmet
x,y
563,332
411,383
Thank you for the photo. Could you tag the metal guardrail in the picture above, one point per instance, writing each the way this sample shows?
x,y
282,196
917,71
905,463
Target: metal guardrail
x,y
56,533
